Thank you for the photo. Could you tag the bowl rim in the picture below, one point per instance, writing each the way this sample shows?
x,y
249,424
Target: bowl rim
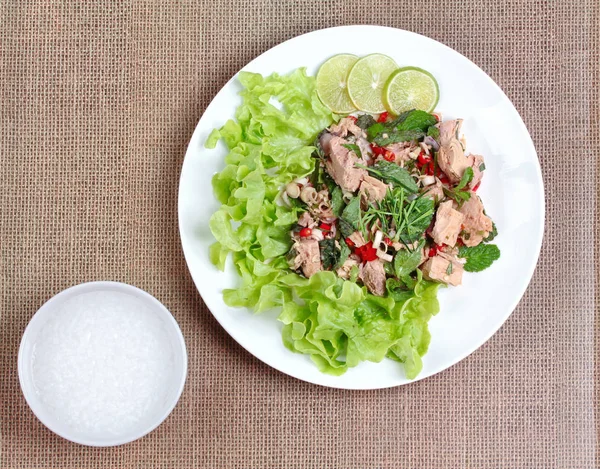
x,y
85,287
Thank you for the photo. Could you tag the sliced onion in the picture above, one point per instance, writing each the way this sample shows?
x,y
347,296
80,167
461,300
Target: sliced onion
x,y
384,256
317,234
428,180
378,238
429,140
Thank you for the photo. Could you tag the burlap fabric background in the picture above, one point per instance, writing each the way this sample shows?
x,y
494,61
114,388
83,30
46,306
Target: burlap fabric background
x,y
98,102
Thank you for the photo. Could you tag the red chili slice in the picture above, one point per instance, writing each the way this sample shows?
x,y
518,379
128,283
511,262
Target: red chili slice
x,y
423,158
383,117
389,156
378,150
305,232
366,252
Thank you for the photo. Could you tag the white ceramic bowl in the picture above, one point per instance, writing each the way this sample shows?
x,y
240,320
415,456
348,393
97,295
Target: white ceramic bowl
x,y
155,416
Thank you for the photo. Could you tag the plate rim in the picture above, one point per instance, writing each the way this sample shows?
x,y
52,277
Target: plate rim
x,y
540,194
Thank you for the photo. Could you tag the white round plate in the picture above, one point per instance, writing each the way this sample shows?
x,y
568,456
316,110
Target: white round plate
x,y
512,192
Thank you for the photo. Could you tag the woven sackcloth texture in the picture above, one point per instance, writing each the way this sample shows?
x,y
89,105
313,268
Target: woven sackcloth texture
x,y
98,100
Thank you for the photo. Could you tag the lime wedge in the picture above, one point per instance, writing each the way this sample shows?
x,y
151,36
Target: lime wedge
x,y
411,88
331,83
367,79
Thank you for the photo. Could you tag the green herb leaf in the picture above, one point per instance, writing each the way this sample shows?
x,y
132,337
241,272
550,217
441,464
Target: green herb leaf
x,y
365,121
344,254
417,120
353,147
346,228
466,178
392,173
329,253
449,268
406,262
460,197
398,136
433,132
337,201
351,213
376,129
479,257
482,167
416,219
400,119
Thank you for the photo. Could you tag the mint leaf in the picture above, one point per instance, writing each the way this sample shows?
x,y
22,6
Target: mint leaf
x,y
351,213
459,193
376,129
353,147
392,173
345,228
365,121
406,261
398,136
433,132
337,201
466,178
344,253
417,120
329,253
479,257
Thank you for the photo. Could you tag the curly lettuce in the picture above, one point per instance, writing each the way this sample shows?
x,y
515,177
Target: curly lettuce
x,y
334,321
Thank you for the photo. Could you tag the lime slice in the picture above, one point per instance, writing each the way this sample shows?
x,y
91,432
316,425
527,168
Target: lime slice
x,y
411,88
367,79
331,83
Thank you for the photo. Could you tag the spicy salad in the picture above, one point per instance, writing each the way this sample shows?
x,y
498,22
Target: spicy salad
x,y
347,225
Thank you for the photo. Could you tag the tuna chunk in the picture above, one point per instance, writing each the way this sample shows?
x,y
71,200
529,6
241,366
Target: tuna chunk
x,y
341,165
401,151
305,220
344,270
477,173
308,256
452,160
372,274
357,238
440,269
346,126
449,130
435,191
477,225
372,190
447,224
